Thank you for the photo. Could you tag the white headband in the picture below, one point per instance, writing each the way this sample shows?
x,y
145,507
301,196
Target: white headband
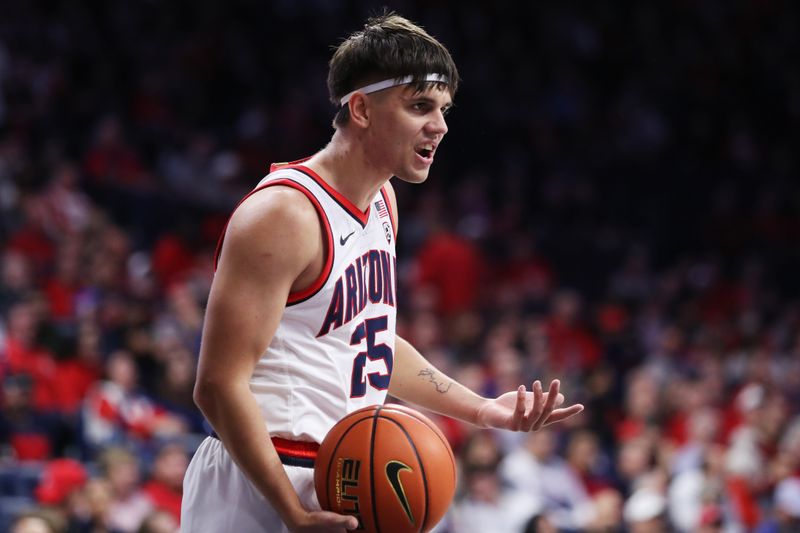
x,y
392,82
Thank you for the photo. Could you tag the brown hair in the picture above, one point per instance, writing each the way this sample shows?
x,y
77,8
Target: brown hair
x,y
388,47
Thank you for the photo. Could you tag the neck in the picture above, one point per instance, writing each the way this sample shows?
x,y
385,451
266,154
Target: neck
x,y
346,166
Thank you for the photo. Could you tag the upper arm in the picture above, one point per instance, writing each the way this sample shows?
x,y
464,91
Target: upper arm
x,y
270,242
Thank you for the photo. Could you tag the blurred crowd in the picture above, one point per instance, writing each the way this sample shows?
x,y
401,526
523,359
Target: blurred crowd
x,y
617,205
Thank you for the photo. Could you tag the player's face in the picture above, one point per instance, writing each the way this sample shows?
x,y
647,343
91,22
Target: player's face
x,y
407,130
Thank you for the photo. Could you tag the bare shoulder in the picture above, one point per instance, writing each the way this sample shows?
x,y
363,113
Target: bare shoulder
x,y
274,204
278,225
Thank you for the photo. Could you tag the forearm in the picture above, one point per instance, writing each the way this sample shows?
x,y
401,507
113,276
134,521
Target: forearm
x,y
417,381
234,415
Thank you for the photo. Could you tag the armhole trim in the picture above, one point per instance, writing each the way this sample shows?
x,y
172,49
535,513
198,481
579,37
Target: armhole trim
x,y
304,294
391,211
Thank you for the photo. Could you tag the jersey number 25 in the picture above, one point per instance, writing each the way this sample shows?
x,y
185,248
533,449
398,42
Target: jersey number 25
x,y
375,352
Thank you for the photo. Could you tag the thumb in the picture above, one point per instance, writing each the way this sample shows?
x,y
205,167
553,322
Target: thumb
x,y
350,522
330,519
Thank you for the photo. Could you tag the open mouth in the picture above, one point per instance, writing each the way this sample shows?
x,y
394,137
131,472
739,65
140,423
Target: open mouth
x,y
425,151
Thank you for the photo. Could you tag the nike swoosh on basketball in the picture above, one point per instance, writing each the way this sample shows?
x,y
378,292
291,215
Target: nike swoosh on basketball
x,y
343,240
393,469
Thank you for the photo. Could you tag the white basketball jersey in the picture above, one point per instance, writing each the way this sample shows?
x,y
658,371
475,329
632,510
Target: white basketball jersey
x,y
334,348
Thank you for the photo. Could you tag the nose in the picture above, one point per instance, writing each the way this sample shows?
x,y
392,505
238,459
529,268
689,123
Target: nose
x,y
438,124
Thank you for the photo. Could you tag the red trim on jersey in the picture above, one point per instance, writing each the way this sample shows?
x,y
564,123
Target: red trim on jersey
x,y
295,448
278,166
311,290
361,216
391,211
218,250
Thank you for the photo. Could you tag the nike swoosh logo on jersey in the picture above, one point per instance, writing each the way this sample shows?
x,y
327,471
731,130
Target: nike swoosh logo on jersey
x,y
343,240
393,469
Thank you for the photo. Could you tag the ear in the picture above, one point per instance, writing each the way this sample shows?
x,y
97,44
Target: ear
x,y
359,110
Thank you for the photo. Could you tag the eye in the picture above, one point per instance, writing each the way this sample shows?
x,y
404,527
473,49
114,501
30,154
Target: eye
x,y
446,110
422,107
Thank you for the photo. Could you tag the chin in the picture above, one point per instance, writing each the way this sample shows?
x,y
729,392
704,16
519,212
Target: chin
x,y
413,177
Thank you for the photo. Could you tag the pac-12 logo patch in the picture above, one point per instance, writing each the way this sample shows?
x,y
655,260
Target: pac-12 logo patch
x,y
387,230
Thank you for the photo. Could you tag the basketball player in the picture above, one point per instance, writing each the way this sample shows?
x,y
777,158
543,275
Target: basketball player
x,y
300,324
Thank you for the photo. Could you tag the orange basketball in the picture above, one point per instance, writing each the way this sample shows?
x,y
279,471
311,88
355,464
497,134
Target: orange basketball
x,y
389,466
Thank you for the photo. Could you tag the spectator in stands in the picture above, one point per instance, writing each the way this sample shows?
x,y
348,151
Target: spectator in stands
x,y
112,161
180,324
607,504
697,491
24,354
537,471
32,238
175,384
16,279
644,512
60,488
635,460
487,503
78,369
642,416
63,285
539,523
584,457
453,268
129,503
115,412
38,521
572,345
159,522
93,513
165,484
786,500
31,434
703,433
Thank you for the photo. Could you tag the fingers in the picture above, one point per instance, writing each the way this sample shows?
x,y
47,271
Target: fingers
x,y
328,521
519,410
549,405
559,400
537,408
351,523
562,414
545,409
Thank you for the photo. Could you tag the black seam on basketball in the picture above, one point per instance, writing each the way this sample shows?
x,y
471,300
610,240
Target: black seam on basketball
x,y
375,417
419,461
432,426
333,456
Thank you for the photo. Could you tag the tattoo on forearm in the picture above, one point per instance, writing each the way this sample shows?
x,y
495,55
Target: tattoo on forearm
x,y
441,386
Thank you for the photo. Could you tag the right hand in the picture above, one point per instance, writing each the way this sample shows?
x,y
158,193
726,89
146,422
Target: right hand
x,y
324,522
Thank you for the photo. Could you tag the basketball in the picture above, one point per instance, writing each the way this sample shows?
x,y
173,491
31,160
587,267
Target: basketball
x,y
389,466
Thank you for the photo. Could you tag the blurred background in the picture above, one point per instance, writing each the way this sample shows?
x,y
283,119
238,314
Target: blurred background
x,y
617,204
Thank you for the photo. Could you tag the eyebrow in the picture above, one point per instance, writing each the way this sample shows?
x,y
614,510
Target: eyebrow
x,y
429,100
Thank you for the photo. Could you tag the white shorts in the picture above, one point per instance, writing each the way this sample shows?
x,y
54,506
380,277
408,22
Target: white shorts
x,y
218,497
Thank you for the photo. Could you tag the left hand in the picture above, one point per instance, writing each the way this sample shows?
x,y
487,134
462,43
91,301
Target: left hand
x,y
526,411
